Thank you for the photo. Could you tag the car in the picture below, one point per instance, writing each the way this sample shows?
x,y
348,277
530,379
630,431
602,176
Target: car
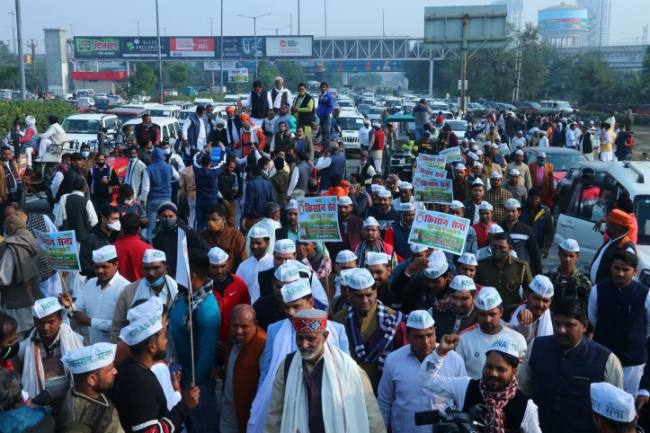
x,y
643,110
84,127
576,219
127,113
204,101
350,122
374,114
553,106
170,129
529,107
459,127
475,106
364,108
561,158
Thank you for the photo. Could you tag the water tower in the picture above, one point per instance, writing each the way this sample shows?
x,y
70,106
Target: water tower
x,y
563,25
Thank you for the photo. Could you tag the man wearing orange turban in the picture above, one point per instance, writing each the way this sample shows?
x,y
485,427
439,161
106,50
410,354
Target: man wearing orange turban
x,y
618,228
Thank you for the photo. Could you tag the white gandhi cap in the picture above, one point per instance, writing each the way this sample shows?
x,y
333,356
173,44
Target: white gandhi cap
x,y
612,402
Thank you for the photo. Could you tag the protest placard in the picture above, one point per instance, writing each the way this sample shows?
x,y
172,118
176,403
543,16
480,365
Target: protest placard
x,y
437,162
318,219
60,249
452,154
439,230
432,186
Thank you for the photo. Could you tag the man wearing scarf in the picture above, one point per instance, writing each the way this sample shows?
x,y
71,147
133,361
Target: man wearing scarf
x,y
319,388
373,329
204,326
533,318
371,241
509,409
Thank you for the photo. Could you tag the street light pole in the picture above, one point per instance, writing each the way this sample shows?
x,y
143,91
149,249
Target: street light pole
x,y
19,42
12,14
221,51
160,72
211,19
277,29
325,17
254,18
298,18
383,22
137,22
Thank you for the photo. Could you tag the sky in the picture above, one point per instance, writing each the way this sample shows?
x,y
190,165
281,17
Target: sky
x,y
344,17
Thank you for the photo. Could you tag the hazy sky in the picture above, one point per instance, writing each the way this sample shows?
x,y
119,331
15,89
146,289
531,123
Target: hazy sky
x,y
344,17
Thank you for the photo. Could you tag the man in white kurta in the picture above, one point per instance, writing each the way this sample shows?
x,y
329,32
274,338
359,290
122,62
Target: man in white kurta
x,y
399,394
260,260
476,341
95,305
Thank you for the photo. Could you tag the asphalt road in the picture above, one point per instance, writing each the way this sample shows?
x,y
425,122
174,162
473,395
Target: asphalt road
x,y
34,203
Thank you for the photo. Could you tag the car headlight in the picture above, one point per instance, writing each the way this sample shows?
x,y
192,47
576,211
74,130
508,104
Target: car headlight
x,y
644,277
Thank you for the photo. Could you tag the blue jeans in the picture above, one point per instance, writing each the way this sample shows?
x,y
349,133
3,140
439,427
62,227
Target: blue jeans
x,y
203,418
152,214
419,132
203,206
324,129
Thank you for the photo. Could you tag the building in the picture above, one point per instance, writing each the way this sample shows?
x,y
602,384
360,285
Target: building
x,y
564,25
515,12
599,14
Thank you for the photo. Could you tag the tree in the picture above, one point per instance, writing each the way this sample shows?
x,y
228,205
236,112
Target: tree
x,y
645,77
266,73
291,72
176,74
142,81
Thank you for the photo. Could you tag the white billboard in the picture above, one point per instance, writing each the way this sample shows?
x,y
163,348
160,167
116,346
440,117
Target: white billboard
x,y
238,75
289,46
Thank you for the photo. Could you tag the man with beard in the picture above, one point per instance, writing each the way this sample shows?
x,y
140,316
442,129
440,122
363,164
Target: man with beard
x,y
482,226
259,261
497,195
383,210
523,238
137,394
94,373
316,370
427,288
398,233
559,368
568,281
477,194
101,180
460,183
533,318
490,328
228,289
350,227
495,387
371,241
462,313
380,267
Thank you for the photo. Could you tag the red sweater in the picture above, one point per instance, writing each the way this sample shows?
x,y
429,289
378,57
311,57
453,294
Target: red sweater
x,y
130,250
234,294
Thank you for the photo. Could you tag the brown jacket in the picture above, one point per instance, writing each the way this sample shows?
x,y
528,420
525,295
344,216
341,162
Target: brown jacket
x,y
246,376
3,184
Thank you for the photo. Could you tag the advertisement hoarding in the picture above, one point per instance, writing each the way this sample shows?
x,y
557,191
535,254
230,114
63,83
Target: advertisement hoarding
x,y
238,75
96,47
192,47
144,47
289,46
243,47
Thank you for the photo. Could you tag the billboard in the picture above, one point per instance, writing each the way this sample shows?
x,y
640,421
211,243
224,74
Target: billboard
x,y
192,47
289,46
483,26
563,20
238,75
215,65
144,47
243,47
96,47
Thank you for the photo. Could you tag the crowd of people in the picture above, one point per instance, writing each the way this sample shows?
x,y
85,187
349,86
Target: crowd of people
x,y
198,306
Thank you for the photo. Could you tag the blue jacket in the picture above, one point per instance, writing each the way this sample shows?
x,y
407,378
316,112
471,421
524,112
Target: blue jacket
x,y
273,330
207,183
325,104
160,177
259,191
206,324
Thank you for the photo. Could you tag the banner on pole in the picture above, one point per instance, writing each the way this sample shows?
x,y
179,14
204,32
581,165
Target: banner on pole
x,y
432,186
452,154
318,220
437,162
439,230
60,248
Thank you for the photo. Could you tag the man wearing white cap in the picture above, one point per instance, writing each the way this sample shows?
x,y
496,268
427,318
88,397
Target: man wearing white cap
x,y
350,227
206,319
399,394
95,304
558,369
416,262
485,211
382,209
461,185
371,240
519,140
533,318
569,282
40,354
426,288
495,387
541,173
289,229
477,193
280,341
398,233
373,329
345,259
497,196
270,223
259,260
524,171
473,344
518,191
137,394
94,374
380,267
405,194
613,409
228,289
523,238
462,314
156,282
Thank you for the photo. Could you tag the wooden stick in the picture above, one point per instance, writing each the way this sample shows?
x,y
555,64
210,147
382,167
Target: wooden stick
x,y
191,329
66,291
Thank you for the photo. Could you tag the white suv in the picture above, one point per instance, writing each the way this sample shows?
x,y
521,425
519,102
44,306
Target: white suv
x,y
576,219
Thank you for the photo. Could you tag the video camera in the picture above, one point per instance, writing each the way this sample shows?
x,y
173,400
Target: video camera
x,y
455,421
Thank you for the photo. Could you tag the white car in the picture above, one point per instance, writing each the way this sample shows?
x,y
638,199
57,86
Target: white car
x,y
85,127
458,126
350,123
170,129
576,217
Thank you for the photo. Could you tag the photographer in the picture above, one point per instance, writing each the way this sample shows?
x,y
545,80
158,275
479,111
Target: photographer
x,y
509,409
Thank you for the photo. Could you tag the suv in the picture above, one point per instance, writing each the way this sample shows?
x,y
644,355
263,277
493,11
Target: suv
x,y
84,127
350,122
576,219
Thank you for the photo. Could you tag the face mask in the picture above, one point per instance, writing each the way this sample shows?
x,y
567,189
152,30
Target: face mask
x,y
9,352
85,153
167,223
499,254
541,161
114,226
156,283
134,159
167,151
